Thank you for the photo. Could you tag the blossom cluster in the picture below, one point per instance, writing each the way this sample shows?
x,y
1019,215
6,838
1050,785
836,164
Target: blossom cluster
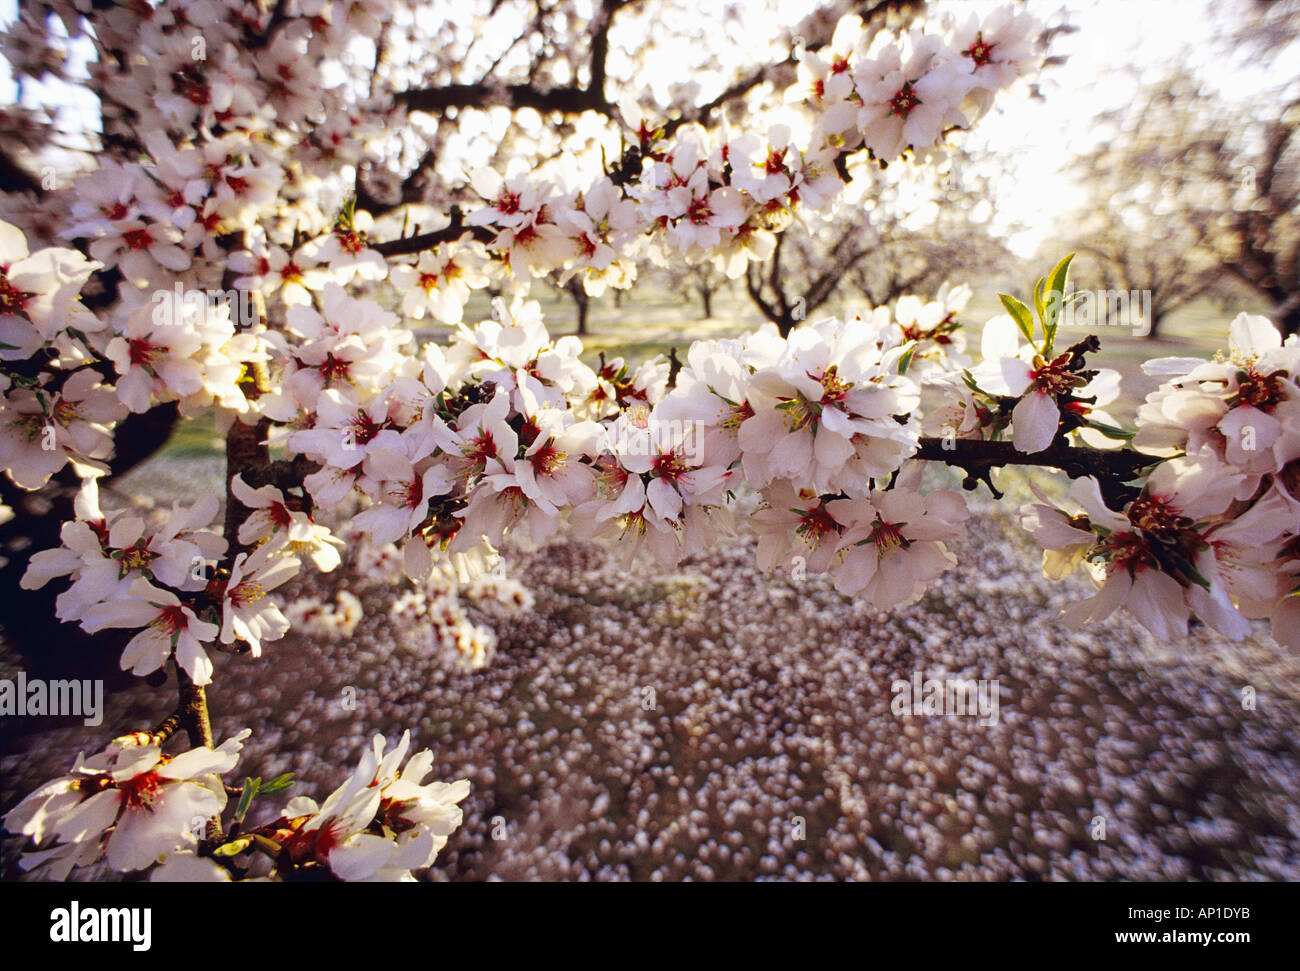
x,y
240,127
703,196
1214,531
135,807
221,191
165,582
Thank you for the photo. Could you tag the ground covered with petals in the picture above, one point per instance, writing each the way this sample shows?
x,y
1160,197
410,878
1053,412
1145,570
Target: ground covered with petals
x,y
719,722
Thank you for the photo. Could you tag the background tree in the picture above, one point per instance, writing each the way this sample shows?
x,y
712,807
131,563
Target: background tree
x,y
910,231
703,280
1189,190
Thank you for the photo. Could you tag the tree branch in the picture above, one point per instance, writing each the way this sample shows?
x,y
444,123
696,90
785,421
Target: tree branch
x,y
454,230
568,99
1111,467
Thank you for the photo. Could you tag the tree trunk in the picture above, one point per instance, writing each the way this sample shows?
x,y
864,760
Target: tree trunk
x,y
706,297
581,300
38,519
1289,322
1156,317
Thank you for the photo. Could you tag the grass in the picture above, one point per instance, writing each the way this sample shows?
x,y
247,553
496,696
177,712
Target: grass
x,y
195,438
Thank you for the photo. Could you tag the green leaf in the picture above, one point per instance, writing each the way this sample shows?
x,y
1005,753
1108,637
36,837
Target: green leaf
x,y
1188,569
1020,313
278,784
246,797
1055,285
1111,431
1039,303
1056,279
905,361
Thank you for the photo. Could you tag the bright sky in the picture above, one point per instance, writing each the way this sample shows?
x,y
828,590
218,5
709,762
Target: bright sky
x,y
1114,38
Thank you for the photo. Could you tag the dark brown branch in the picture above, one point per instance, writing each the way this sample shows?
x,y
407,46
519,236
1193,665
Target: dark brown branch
x,y
566,99
193,710
1111,467
279,17
245,452
282,473
454,230
166,729
571,99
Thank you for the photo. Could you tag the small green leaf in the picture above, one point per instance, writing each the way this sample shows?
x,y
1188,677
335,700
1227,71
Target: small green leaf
x,y
1054,300
1111,431
1020,313
1056,279
905,361
246,797
278,784
1039,303
1187,568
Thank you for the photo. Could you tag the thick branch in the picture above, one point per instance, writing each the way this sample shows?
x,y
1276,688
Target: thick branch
x,y
566,99
193,710
245,451
1111,467
452,231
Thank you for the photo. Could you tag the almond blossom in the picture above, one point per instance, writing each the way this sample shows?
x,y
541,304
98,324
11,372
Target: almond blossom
x,y
130,803
42,431
247,613
440,281
381,824
168,626
273,521
908,101
892,547
39,293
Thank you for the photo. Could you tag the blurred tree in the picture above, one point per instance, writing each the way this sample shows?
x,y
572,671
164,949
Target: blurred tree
x,y
581,302
1193,191
704,280
910,236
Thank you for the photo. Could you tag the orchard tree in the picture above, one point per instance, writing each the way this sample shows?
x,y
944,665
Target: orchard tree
x,y
704,280
1156,194
1193,191
928,228
902,230
230,245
